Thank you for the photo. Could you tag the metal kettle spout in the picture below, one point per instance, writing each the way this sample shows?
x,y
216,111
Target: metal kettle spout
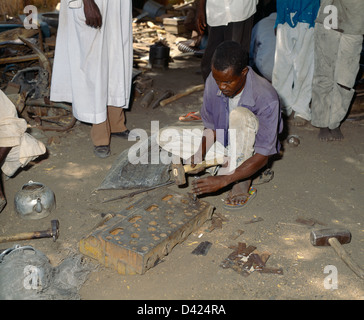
x,y
38,207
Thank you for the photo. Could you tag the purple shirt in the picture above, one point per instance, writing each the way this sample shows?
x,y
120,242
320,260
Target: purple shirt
x,y
259,97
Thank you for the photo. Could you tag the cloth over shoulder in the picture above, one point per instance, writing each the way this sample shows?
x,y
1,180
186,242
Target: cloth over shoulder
x,y
25,147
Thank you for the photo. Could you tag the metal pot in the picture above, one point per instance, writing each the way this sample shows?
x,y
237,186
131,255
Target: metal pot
x,y
34,201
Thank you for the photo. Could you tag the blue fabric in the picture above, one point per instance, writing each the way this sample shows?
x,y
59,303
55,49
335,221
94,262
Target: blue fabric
x,y
295,11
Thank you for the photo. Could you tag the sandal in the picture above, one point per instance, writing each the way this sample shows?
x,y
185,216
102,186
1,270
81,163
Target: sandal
x,y
191,116
250,196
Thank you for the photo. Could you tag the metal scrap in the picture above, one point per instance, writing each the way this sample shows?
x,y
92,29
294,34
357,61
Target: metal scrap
x,y
255,219
245,260
202,248
309,222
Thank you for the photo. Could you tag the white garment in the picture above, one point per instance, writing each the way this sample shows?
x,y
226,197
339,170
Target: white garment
x,y
185,141
93,67
234,101
222,12
337,59
25,148
293,68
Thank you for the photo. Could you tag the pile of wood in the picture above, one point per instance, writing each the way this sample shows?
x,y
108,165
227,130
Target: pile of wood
x,y
12,8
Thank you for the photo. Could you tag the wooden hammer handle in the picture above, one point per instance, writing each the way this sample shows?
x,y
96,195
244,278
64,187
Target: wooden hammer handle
x,y
27,236
201,166
346,258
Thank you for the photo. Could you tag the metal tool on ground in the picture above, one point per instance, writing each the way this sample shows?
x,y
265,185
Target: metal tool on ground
x,y
132,194
52,232
165,95
179,170
147,99
335,238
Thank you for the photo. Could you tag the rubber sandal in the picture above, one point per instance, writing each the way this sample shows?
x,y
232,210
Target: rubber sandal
x,y
191,116
252,194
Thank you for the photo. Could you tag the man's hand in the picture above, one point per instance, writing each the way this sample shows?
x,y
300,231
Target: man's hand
x,y
209,184
92,14
244,171
201,17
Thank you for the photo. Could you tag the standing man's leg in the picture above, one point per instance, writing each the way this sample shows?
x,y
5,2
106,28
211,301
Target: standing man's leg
x,y
336,64
215,37
235,31
101,133
347,67
303,72
326,48
241,32
282,77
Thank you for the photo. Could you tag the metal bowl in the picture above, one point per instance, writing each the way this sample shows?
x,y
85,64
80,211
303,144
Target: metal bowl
x,y
34,201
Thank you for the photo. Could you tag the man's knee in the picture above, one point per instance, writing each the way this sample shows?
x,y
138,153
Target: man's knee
x,y
242,118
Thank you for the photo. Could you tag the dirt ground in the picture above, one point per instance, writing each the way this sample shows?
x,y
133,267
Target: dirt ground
x,y
315,180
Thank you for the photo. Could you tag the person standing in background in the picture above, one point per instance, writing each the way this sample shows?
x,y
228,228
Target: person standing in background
x,y
93,66
294,57
339,33
226,20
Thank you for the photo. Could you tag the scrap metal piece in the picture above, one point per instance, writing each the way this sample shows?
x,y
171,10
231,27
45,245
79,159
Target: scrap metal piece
x,y
244,261
138,237
236,234
254,220
202,248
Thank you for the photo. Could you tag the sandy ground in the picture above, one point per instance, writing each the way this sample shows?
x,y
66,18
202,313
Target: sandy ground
x,y
315,180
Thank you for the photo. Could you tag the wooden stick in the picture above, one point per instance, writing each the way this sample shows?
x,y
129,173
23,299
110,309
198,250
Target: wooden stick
x,y
346,258
182,94
24,58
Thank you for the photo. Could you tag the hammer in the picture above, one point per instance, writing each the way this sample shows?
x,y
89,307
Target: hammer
x,y
335,238
52,232
179,171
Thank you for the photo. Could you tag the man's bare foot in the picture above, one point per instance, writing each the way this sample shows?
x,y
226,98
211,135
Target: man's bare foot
x,y
325,134
336,134
239,193
296,120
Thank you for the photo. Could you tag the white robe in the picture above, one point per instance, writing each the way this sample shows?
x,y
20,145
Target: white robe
x,y
93,67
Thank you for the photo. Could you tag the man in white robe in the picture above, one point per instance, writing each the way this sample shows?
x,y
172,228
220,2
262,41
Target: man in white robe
x,y
93,65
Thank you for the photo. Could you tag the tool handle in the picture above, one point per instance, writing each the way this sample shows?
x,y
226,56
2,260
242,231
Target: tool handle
x,y
346,258
27,236
201,166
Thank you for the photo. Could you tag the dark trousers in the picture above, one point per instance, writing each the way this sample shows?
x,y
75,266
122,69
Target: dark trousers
x,y
235,31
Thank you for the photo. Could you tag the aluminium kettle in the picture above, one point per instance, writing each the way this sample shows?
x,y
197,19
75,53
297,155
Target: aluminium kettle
x,y
34,201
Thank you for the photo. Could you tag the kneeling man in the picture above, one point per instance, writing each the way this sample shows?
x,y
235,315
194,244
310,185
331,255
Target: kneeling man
x,y
241,111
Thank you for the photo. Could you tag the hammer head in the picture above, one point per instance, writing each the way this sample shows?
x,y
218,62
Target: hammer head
x,y
178,174
321,237
55,229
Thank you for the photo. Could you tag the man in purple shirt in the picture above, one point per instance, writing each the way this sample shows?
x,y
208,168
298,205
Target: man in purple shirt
x,y
241,110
